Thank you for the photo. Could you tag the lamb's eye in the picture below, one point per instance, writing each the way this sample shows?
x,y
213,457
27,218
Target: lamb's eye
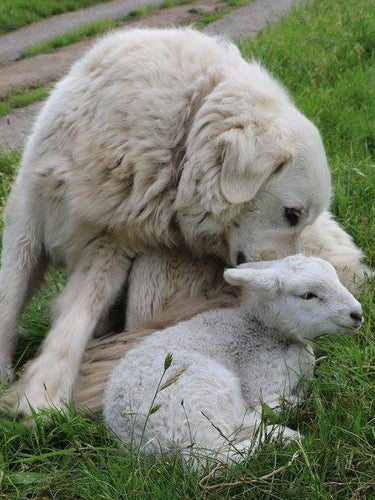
x,y
308,296
292,215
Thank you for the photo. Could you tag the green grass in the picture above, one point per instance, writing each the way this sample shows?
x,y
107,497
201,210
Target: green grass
x,y
8,161
15,14
208,18
167,4
324,53
24,97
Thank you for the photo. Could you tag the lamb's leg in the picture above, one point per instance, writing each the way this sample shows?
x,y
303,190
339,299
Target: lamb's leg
x,y
92,287
245,447
22,267
326,239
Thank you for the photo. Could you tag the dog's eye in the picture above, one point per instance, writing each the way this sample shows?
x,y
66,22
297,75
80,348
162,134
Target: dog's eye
x,y
292,215
308,296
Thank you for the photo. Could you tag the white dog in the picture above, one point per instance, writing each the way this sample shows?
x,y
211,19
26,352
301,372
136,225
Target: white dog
x,y
155,137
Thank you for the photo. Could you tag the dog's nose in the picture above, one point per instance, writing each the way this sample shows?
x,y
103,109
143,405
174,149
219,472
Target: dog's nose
x,y
241,258
356,317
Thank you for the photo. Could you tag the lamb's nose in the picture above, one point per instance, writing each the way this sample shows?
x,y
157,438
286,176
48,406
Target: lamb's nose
x,y
357,317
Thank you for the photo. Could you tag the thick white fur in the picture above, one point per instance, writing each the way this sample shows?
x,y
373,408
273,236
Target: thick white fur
x,y
227,362
154,138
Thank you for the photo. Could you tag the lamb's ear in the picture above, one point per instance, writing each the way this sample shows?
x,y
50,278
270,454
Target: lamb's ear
x,y
259,280
241,177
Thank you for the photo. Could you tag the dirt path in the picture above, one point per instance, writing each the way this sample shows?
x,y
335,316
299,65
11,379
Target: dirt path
x,y
243,22
39,70
16,126
246,21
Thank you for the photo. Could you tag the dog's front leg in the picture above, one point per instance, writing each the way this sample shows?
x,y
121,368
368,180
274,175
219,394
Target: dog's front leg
x,y
91,289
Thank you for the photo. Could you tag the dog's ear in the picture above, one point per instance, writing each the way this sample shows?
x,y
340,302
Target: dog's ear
x,y
241,176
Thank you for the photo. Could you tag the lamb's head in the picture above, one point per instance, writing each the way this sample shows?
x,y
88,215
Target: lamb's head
x,y
302,296
255,170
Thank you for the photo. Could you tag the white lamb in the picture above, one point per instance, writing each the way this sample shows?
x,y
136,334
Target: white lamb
x,y
227,362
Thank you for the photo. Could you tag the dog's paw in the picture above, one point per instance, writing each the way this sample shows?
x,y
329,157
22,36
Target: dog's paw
x,y
35,391
24,400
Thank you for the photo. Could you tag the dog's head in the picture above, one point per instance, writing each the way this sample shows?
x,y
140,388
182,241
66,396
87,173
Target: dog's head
x,y
255,170
293,192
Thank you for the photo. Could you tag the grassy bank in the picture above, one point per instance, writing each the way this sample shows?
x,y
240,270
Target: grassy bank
x,y
207,18
15,14
324,54
21,98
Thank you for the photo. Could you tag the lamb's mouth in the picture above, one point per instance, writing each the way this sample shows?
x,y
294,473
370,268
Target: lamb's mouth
x,y
348,326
